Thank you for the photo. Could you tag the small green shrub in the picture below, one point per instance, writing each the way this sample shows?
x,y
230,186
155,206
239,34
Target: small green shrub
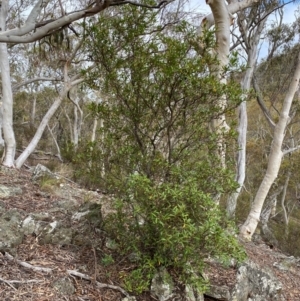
x,y
107,260
174,225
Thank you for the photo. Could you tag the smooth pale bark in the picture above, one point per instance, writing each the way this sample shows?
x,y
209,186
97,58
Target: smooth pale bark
x,y
95,124
37,137
7,105
275,158
285,213
56,144
251,41
77,123
234,7
32,30
1,122
241,161
223,21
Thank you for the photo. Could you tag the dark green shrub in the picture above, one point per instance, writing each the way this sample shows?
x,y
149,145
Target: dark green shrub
x,y
174,225
155,151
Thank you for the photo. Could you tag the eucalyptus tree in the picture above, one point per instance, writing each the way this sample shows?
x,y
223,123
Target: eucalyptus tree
x,y
222,18
251,24
49,17
277,76
7,97
275,156
66,63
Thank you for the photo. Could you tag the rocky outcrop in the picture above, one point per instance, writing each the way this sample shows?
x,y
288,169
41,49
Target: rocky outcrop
x,y
67,221
252,284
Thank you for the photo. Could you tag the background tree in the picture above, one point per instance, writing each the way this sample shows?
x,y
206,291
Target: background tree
x,y
251,23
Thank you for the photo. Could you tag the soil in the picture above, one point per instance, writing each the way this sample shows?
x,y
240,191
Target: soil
x,y
24,283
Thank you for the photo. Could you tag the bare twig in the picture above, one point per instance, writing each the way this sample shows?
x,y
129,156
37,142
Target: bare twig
x,y
21,281
100,285
27,265
8,283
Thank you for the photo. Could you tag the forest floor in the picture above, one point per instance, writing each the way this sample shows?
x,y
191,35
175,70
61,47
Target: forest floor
x,y
18,282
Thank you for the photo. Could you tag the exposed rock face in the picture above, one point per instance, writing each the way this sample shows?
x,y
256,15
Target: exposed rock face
x,y
11,234
252,283
66,222
6,192
256,284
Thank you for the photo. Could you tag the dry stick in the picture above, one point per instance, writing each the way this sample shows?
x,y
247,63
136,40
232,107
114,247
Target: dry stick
x,y
100,285
20,281
70,272
27,265
8,283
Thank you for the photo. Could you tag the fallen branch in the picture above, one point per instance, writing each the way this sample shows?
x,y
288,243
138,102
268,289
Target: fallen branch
x,y
27,265
8,283
100,285
20,281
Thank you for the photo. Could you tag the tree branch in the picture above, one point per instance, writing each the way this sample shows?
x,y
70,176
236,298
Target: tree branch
x,y
261,103
290,150
32,31
32,80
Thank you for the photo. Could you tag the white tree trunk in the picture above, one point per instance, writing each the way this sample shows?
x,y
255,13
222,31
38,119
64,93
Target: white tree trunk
x,y
35,140
77,123
37,137
2,144
223,20
9,137
95,124
275,158
242,131
251,37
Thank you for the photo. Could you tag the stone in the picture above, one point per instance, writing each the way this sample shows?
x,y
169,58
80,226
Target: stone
x,y
64,286
11,234
56,233
192,294
288,264
162,285
256,284
40,172
219,292
6,191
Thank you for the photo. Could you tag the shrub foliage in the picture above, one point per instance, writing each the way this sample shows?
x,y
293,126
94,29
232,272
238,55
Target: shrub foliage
x,y
155,151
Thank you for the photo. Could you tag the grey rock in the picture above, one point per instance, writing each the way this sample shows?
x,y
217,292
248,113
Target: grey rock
x,y
28,225
288,264
40,172
219,292
162,285
64,286
257,284
11,234
57,234
192,294
6,191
